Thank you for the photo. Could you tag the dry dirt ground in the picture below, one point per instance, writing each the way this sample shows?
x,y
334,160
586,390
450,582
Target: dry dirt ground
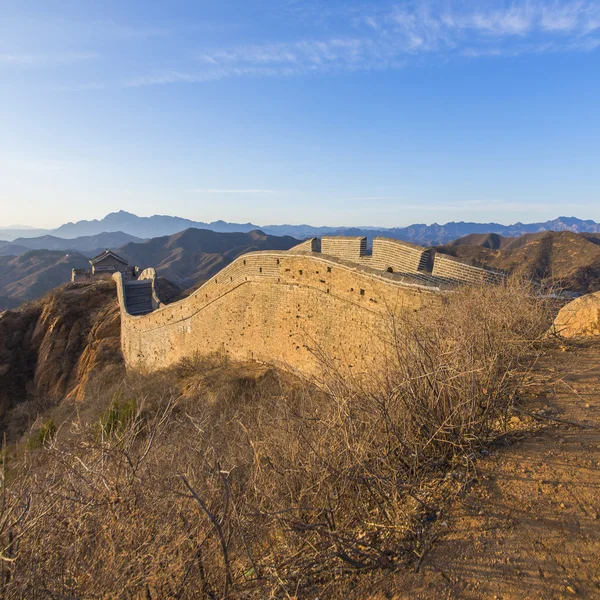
x,y
530,525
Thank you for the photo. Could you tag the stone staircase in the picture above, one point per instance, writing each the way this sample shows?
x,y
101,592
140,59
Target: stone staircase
x,y
138,297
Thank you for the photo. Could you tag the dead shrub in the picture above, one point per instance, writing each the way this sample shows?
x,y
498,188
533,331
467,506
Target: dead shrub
x,y
227,480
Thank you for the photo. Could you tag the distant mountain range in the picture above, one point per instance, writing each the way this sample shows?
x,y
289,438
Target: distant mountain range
x,y
141,227
31,265
426,235
89,245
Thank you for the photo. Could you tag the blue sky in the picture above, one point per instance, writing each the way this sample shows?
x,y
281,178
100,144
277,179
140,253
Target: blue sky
x,y
327,112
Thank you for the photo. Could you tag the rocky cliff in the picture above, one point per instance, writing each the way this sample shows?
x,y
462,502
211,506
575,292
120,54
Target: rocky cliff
x,y
50,349
580,318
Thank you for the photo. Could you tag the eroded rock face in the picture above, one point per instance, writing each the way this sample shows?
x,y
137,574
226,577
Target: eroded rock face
x,y
580,318
50,348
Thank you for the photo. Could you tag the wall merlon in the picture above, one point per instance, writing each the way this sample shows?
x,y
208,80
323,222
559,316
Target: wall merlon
x,y
310,245
348,247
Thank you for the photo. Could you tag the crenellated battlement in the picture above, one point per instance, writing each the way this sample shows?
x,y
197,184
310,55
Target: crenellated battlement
x,y
396,256
289,308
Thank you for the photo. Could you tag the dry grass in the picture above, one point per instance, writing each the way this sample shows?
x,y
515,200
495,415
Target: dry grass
x,y
210,480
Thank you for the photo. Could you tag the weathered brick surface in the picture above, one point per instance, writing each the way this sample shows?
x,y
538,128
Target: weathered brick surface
x,y
277,307
450,268
400,257
349,248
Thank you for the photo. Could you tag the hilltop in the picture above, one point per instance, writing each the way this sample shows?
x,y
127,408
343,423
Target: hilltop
x,y
189,257
32,274
123,221
52,349
569,259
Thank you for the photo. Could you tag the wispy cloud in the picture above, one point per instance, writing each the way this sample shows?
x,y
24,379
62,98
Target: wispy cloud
x,y
278,60
306,52
40,60
171,77
164,77
394,36
453,21
37,165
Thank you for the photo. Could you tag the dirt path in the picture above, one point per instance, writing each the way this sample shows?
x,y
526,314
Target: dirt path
x,y
530,528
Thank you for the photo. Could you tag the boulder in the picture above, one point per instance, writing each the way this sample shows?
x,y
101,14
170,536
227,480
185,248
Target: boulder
x,y
580,318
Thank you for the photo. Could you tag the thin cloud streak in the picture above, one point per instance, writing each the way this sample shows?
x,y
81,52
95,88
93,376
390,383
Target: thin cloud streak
x,y
37,165
374,199
43,60
215,75
217,191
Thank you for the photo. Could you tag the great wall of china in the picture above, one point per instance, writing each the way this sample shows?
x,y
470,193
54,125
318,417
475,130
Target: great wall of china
x,y
323,298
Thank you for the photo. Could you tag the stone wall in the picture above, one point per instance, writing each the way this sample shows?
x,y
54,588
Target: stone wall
x,y
289,308
399,257
349,248
284,308
448,267
78,275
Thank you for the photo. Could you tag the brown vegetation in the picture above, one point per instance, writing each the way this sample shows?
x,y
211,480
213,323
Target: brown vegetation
x,y
527,525
215,480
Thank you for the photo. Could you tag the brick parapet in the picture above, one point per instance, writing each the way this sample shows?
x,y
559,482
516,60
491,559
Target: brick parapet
x,y
451,268
277,307
347,247
398,256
